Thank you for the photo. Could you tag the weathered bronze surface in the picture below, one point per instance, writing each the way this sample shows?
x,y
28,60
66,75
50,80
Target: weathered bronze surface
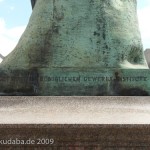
x,y
70,39
33,2
101,34
66,82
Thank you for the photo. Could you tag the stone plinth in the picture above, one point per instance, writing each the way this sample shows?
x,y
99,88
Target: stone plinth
x,y
79,137
76,122
76,82
74,110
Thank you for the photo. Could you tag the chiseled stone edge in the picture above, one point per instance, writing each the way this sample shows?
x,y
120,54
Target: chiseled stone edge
x,y
111,110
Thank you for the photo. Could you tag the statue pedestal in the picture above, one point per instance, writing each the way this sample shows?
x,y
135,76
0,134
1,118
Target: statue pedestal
x,y
76,122
74,110
76,82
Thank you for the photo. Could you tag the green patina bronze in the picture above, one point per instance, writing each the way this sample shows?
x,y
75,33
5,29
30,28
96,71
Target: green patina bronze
x,y
33,2
72,39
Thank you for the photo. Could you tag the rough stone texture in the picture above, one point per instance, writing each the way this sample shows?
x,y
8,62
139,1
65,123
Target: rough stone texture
x,y
74,110
83,33
76,122
79,137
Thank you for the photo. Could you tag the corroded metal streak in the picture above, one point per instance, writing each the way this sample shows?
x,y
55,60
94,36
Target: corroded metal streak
x,y
86,33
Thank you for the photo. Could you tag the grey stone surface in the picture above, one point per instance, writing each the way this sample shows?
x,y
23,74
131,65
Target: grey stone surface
x,y
75,110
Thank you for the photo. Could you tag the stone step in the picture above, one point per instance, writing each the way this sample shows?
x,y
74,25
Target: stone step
x,y
75,82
